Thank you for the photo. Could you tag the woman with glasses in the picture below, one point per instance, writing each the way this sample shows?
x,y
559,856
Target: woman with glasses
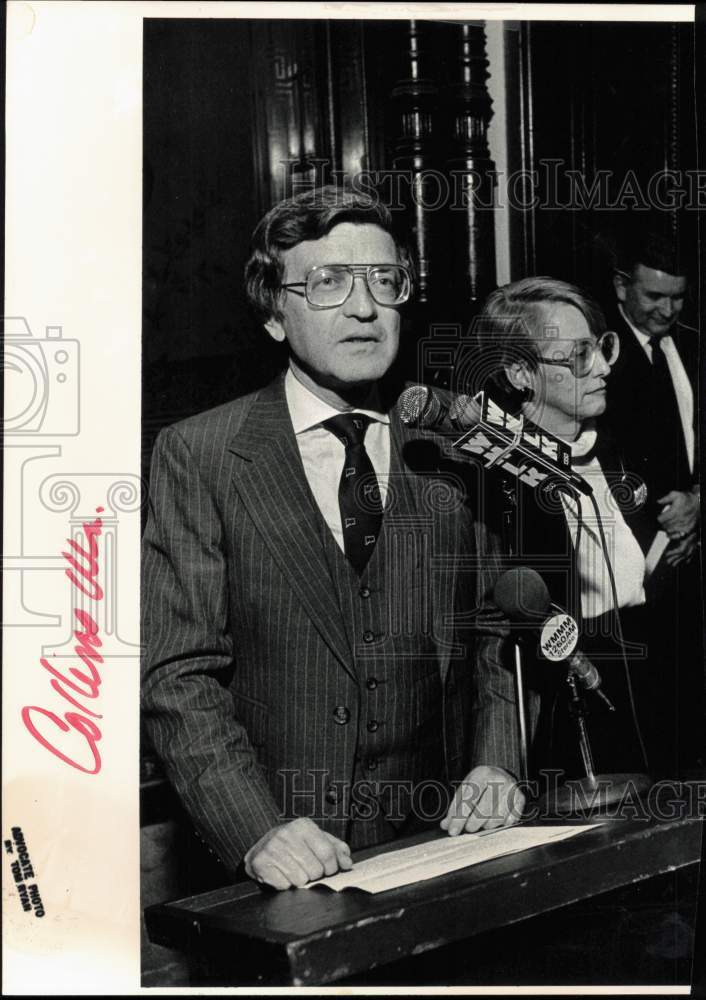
x,y
545,354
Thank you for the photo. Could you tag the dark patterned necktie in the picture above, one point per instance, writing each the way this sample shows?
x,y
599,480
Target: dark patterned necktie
x,y
358,490
669,448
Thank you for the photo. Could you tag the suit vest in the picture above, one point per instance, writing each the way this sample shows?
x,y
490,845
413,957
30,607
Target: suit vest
x,y
399,761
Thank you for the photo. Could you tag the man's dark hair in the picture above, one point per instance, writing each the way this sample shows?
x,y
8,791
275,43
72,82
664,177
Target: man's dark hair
x,y
652,245
307,216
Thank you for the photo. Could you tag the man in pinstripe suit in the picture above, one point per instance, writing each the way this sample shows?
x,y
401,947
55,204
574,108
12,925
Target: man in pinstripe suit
x,y
309,567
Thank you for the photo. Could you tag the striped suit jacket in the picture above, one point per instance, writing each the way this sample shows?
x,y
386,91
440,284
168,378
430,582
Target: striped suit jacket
x,y
247,650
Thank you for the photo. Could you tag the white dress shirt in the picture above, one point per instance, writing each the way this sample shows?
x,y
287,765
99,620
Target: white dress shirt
x,y
626,556
323,453
680,381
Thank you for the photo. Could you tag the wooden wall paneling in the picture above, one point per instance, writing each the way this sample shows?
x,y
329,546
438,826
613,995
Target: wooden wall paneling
x,y
520,130
311,109
293,145
683,146
347,97
614,105
556,73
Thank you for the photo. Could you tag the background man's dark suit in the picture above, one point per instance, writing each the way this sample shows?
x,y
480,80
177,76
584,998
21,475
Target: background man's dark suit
x,y
631,411
270,672
674,640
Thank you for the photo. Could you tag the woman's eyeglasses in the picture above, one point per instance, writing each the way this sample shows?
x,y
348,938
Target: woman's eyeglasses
x,y
582,356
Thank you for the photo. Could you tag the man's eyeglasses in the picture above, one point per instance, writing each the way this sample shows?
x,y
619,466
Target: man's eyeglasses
x,y
330,285
582,356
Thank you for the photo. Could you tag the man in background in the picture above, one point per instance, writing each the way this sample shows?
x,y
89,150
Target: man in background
x,y
303,682
652,391
652,414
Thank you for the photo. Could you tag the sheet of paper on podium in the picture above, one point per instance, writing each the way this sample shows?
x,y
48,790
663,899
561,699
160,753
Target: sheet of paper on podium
x,y
447,854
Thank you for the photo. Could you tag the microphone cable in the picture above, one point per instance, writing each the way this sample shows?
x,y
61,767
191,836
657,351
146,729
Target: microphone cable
x,y
574,494
576,497
614,593
619,629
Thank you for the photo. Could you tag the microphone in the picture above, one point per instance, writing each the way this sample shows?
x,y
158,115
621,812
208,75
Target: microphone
x,y
419,406
492,434
522,593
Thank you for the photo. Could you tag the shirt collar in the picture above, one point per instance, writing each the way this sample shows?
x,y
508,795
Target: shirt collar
x,y
585,442
643,339
307,410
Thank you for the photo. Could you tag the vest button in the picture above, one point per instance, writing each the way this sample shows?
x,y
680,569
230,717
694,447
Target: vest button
x,y
372,764
341,715
368,636
373,726
364,592
371,683
331,795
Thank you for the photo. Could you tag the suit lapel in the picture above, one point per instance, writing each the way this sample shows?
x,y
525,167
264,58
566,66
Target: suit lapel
x,y
687,343
270,480
633,360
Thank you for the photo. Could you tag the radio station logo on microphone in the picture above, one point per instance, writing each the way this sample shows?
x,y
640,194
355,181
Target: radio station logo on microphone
x,y
559,637
513,444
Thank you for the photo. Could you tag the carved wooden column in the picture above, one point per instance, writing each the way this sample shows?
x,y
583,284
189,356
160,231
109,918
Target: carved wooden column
x,y
415,106
471,173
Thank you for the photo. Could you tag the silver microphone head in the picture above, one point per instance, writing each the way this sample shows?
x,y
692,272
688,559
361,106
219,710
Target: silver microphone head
x,y
464,411
458,405
418,405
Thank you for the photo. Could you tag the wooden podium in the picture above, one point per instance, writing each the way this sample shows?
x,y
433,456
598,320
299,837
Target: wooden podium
x,y
241,935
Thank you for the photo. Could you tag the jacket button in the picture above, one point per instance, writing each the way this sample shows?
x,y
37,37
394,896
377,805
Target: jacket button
x,y
341,715
371,683
364,592
331,795
368,636
372,764
373,726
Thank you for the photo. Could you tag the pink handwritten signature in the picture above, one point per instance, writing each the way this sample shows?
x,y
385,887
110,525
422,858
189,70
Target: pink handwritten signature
x,y
83,571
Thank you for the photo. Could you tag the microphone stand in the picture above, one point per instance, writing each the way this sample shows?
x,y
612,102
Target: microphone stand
x,y
594,792
521,712
579,713
509,531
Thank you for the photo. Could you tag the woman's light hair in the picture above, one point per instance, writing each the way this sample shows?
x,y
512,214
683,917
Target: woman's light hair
x,y
514,317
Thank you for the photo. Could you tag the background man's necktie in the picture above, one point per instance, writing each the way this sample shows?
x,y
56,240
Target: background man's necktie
x,y
669,448
358,490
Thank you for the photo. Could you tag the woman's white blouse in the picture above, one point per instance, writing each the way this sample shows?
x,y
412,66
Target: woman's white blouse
x,y
626,556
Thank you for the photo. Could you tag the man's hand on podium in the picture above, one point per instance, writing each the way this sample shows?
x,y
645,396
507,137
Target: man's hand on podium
x,y
295,853
487,798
